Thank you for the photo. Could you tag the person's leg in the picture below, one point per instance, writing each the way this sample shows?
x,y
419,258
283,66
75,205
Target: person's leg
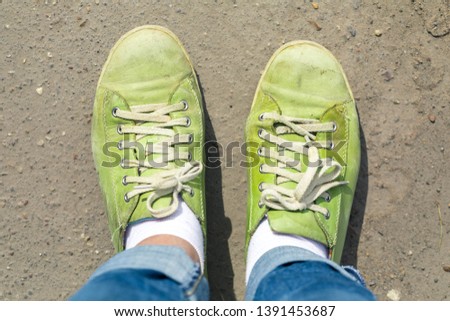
x,y
147,273
294,274
147,142
303,155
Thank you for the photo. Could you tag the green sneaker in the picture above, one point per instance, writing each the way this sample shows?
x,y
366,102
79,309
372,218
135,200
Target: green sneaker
x,y
147,131
303,147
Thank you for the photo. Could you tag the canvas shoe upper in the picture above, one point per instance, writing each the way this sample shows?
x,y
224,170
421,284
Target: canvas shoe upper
x,y
303,147
148,131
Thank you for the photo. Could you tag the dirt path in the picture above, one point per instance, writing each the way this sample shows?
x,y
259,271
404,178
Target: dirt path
x,y
53,226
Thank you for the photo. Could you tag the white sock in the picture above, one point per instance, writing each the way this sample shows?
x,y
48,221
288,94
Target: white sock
x,y
264,240
183,223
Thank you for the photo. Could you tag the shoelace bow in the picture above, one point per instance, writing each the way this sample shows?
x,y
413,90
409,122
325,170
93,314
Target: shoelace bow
x,y
319,177
168,180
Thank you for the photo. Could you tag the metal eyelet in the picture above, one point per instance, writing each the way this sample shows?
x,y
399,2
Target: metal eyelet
x,y
189,156
124,181
188,122
261,117
114,111
191,192
122,163
185,103
331,146
119,129
334,126
260,132
120,145
328,198
261,168
260,187
125,197
327,216
191,138
260,153
260,204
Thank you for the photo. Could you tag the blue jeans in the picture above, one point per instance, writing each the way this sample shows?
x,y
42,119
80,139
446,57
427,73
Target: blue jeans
x,y
167,273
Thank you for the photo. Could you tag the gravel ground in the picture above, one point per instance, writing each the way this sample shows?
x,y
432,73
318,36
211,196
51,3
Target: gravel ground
x,y
395,53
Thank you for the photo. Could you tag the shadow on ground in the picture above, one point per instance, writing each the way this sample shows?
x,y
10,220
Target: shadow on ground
x,y
219,268
349,256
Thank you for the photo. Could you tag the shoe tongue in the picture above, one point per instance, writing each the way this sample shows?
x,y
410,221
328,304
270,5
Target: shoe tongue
x,y
296,158
307,223
160,164
331,114
142,212
303,223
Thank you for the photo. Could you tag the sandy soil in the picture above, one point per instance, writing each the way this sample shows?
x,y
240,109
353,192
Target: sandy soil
x,y
53,226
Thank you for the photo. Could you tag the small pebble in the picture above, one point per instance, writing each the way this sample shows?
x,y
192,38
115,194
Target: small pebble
x,y
315,25
388,76
394,295
315,5
442,149
40,142
352,31
432,118
49,54
39,90
7,26
378,32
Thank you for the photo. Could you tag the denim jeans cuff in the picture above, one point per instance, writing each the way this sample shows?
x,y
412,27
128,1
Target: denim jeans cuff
x,y
288,254
170,261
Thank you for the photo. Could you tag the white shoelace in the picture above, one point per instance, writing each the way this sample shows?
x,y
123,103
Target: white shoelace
x,y
319,177
170,180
